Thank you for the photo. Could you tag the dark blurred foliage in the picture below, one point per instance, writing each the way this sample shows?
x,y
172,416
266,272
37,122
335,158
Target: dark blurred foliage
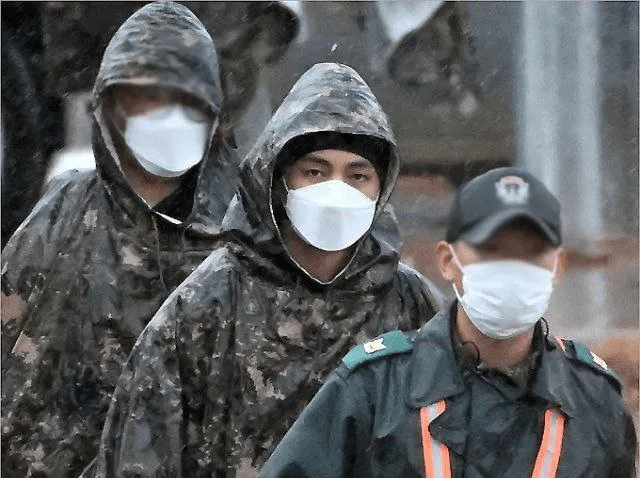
x,y
32,120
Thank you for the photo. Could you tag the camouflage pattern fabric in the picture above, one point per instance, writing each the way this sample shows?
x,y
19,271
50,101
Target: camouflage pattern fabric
x,y
241,347
90,266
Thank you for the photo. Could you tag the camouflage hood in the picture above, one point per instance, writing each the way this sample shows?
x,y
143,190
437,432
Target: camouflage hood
x,y
164,44
329,97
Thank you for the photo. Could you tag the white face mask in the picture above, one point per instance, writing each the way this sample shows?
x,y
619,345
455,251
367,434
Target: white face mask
x,y
166,142
504,298
330,215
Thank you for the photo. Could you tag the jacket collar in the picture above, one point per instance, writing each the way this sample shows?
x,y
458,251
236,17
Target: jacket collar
x,y
553,379
437,375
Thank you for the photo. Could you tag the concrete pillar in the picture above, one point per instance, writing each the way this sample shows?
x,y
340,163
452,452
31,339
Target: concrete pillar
x,y
559,116
560,131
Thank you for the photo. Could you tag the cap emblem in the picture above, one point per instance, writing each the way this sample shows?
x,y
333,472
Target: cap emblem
x,y
512,190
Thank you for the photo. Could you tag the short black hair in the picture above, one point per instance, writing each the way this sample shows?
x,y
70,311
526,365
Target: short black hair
x,y
373,149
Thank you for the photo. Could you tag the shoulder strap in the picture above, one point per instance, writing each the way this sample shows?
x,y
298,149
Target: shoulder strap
x,y
391,343
582,354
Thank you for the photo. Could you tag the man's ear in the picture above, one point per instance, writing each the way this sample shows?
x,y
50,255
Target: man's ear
x,y
445,262
561,266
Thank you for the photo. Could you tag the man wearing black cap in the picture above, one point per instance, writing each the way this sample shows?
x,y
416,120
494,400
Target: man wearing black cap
x,y
482,390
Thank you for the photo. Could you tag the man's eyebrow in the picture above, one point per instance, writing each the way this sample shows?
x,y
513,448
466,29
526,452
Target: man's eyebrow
x,y
361,163
358,163
315,159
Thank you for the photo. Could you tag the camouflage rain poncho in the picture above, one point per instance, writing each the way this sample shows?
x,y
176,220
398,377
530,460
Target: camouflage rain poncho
x,y
92,263
241,347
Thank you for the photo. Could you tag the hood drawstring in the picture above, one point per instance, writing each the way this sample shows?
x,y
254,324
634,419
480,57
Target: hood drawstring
x,y
156,231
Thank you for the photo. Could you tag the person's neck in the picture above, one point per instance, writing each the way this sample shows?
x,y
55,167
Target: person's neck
x,y
494,352
321,265
153,189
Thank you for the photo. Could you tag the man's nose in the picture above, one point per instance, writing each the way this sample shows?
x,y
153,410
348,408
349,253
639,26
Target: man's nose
x,y
339,177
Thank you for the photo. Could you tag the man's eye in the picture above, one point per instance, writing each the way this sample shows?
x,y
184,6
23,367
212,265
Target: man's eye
x,y
313,172
360,177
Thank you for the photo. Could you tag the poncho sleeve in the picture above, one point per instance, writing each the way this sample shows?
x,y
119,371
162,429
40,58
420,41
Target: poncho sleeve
x,y
157,420
142,433
32,251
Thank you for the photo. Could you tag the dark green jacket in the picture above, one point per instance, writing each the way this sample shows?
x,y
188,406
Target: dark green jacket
x,y
365,422
240,348
93,262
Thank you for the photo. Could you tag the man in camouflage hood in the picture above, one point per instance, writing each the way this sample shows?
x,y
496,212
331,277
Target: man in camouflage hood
x,y
238,350
103,249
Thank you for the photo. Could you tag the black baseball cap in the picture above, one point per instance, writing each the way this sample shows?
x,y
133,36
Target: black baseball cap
x,y
497,197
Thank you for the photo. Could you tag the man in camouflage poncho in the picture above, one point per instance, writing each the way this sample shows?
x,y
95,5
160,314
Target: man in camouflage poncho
x,y
239,349
103,249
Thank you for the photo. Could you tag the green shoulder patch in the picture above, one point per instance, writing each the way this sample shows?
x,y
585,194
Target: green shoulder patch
x,y
586,356
391,343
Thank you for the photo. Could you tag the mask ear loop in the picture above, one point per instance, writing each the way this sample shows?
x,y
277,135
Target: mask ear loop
x,y
455,257
457,261
455,290
118,108
284,181
118,113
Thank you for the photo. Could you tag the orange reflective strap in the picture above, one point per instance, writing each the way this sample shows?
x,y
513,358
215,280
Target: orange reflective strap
x,y
437,462
549,453
436,455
